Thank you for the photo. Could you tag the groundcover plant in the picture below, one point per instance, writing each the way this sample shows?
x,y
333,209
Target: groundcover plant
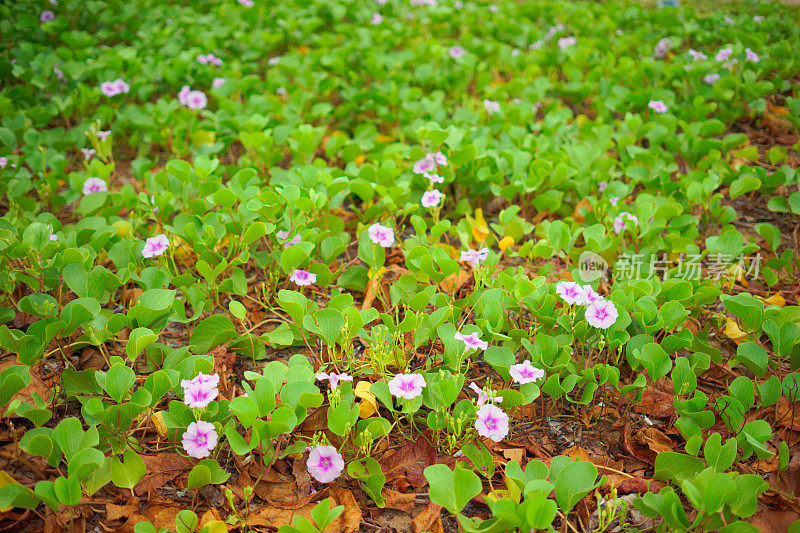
x,y
399,265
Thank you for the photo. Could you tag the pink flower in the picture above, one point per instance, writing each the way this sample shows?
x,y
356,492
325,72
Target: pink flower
x,y
115,87
475,257
201,390
724,54
614,200
440,158
93,185
758,18
571,293
183,95
291,242
456,51
302,278
492,422
431,198
195,100
751,56
591,295
46,16
282,234
619,222
471,341
658,106
53,237
661,49
381,235
376,19
333,378
493,8
199,439
103,135
525,372
601,314
325,464
435,178
209,59
3,162
491,106
217,82
712,78
88,153
484,396
155,246
59,74
274,60
424,165
697,56
602,186
247,3
281,91
407,386
566,42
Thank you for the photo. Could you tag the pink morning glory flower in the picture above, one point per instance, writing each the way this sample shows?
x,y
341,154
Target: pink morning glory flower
x,y
195,100
381,235
247,3
491,106
728,19
199,439
724,54
103,135
3,162
566,42
601,314
614,200
751,56
619,221
282,234
475,257
93,185
758,18
281,91
424,165
457,51
291,242
407,386
525,372
440,159
200,391
376,19
471,341
53,237
697,56
155,246
334,379
88,153
431,198
302,278
58,73
274,61
493,8
325,464
492,422
602,186
712,78
658,106
591,295
435,178
46,16
484,396
217,82
183,94
209,59
661,49
571,293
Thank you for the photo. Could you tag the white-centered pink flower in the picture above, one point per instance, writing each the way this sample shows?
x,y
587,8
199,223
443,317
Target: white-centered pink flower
x,y
407,386
711,79
614,200
435,178
155,246
525,372
475,257
424,166
492,422
431,198
601,314
758,18
115,87
3,162
491,106
200,391
218,82
566,42
485,395
457,51
281,91
46,16
658,106
662,48
591,295
440,158
381,235
247,3
194,100
199,439
93,185
724,54
273,61
325,464
571,293
302,278
619,221
333,378
376,19
103,134
751,56
697,56
471,341
209,59
53,237
602,186
88,153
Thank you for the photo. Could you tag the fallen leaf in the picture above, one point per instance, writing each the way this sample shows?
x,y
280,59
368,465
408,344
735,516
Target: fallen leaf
x,y
732,330
161,469
404,467
514,454
656,440
369,405
429,520
399,500
480,230
505,242
776,299
455,281
774,520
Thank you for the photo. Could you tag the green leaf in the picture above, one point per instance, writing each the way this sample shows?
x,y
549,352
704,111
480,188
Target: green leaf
x,y
138,340
207,472
677,466
127,472
574,481
452,489
211,332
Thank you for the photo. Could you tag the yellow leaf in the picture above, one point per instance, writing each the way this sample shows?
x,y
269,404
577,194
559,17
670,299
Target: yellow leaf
x,y
303,50
505,242
376,275
123,227
480,230
6,479
732,330
360,158
157,419
381,138
776,299
369,405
